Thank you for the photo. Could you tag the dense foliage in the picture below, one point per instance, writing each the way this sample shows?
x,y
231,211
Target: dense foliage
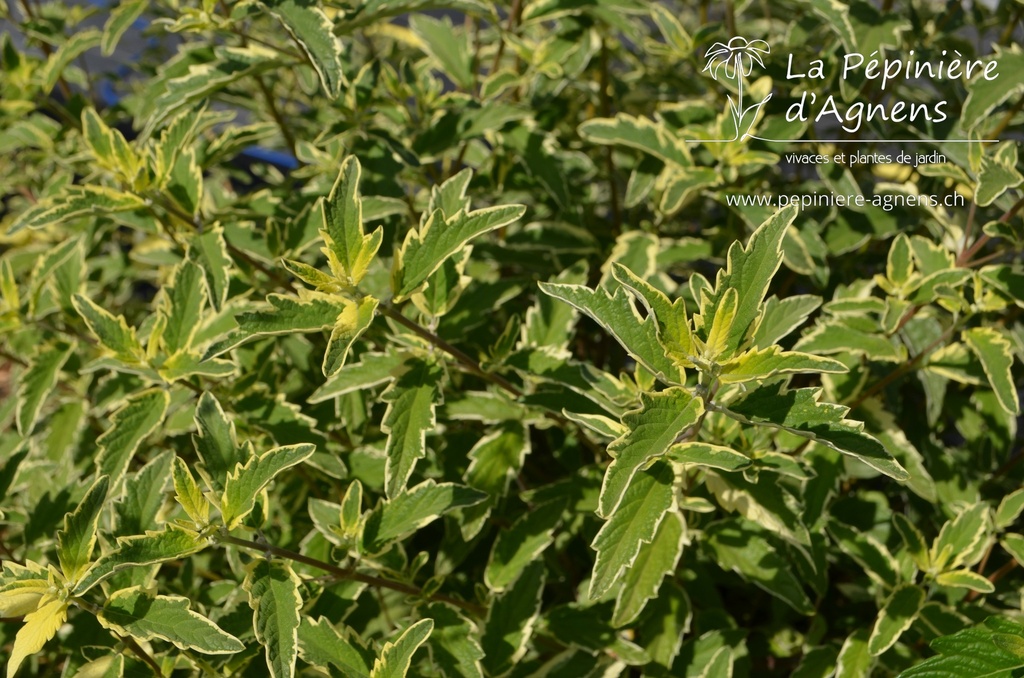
x,y
366,339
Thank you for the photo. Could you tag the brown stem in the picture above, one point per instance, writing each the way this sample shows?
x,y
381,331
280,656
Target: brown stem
x,y
730,18
994,577
286,133
348,573
966,255
1005,122
130,642
13,358
902,369
1004,39
606,111
289,139
1014,459
474,367
468,362
970,225
513,18
185,218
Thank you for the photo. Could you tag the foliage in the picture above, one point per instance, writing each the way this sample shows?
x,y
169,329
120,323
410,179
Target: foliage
x,y
480,373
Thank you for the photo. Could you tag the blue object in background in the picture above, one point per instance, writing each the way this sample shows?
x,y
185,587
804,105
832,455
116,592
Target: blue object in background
x,y
129,50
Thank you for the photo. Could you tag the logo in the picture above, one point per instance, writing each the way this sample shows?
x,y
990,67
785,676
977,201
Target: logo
x,y
736,60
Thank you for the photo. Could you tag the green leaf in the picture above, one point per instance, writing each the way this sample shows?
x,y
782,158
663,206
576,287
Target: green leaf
x,y
721,328
511,619
189,494
586,627
121,18
961,541
996,355
712,456
549,323
112,332
743,547
98,137
547,364
761,364
326,517
984,94
425,249
721,664
274,598
653,428
666,620
835,337
188,363
396,656
81,41
143,496
350,325
229,65
965,579
373,369
215,442
322,646
765,502
107,145
210,251
632,524
614,312
78,538
672,323
245,482
185,183
411,400
520,545
780,317
913,540
640,133
676,38
407,512
454,643
643,578
445,286
1009,509
897,614
448,48
76,202
141,414
869,553
494,461
310,312
147,549
973,652
749,271
899,265
137,613
854,659
183,306
36,383
798,411
349,250
1013,544
310,27
174,139
40,626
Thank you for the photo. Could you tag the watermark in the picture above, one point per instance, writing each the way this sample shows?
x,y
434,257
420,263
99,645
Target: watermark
x,y
885,201
735,61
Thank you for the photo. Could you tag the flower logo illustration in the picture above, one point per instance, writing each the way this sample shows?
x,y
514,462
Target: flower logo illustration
x,y
736,61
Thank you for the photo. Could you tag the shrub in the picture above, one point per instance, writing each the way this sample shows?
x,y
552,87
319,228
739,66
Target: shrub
x,y
369,339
